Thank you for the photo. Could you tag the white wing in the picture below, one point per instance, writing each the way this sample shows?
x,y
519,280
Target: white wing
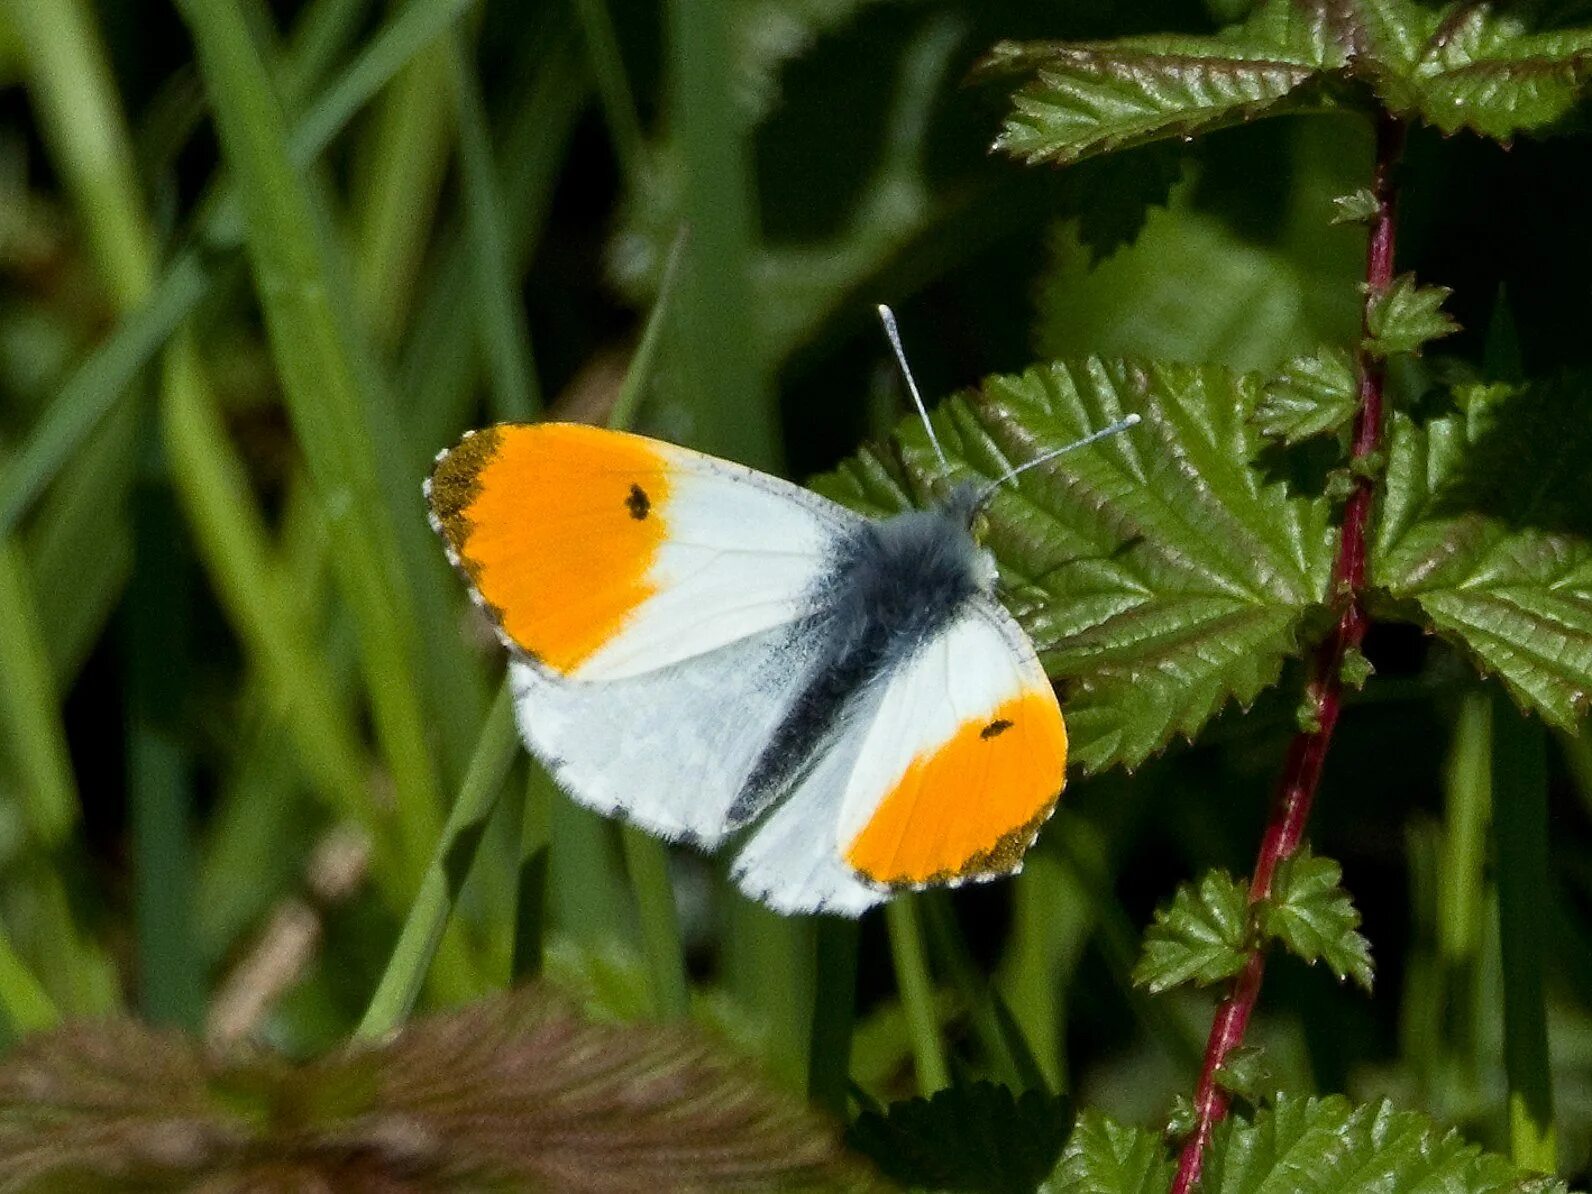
x,y
603,555
670,749
941,774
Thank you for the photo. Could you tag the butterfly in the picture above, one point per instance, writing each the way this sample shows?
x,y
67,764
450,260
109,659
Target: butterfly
x,y
703,649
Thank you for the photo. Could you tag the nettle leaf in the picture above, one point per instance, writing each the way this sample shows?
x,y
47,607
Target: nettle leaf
x,y
511,1092
1483,69
1200,937
1312,395
1330,1146
1245,1072
1463,65
1158,573
1360,206
1309,912
977,1137
1405,316
1105,1157
1485,535
1092,97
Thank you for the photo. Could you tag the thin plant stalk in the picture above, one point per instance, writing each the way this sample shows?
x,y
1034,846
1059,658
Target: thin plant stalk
x,y
503,331
450,864
916,987
396,188
171,978
647,863
1307,753
613,87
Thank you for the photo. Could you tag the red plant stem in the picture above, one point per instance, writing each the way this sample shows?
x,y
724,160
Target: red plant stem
x,y
1302,769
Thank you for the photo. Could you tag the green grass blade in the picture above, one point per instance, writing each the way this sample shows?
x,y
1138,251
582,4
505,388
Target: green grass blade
x,y
628,404
1009,1055
1520,828
530,876
323,31
80,543
916,988
502,328
613,86
647,862
450,864
438,369
30,715
27,1006
97,384
727,381
834,1013
230,532
256,838
171,988
70,82
287,246
404,157
409,31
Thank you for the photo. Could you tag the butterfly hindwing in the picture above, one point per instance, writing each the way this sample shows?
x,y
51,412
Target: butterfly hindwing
x,y
671,749
943,773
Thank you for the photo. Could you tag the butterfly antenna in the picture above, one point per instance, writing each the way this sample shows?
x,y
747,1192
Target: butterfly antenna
x,y
887,317
1121,424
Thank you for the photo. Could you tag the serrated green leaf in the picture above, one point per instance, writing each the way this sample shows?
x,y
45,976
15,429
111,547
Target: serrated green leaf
x,y
1199,937
1330,1146
1104,1157
1485,535
1244,1072
977,1137
1405,316
1462,65
1309,912
1092,97
1159,574
1181,1119
1355,669
1193,289
1358,207
1483,69
1311,396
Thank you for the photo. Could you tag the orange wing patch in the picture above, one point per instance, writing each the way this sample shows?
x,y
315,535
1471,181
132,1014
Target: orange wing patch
x,y
557,526
974,804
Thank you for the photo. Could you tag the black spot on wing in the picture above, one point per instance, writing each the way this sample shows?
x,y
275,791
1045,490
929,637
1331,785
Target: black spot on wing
x,y
995,728
638,503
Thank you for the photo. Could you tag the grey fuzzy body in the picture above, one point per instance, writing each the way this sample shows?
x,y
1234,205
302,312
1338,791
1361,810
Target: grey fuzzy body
x,y
894,585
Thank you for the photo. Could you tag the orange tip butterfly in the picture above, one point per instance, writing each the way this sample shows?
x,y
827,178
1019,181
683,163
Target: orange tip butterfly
x,y
702,649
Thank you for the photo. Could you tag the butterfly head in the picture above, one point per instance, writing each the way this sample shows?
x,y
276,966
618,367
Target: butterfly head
x,y
964,504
